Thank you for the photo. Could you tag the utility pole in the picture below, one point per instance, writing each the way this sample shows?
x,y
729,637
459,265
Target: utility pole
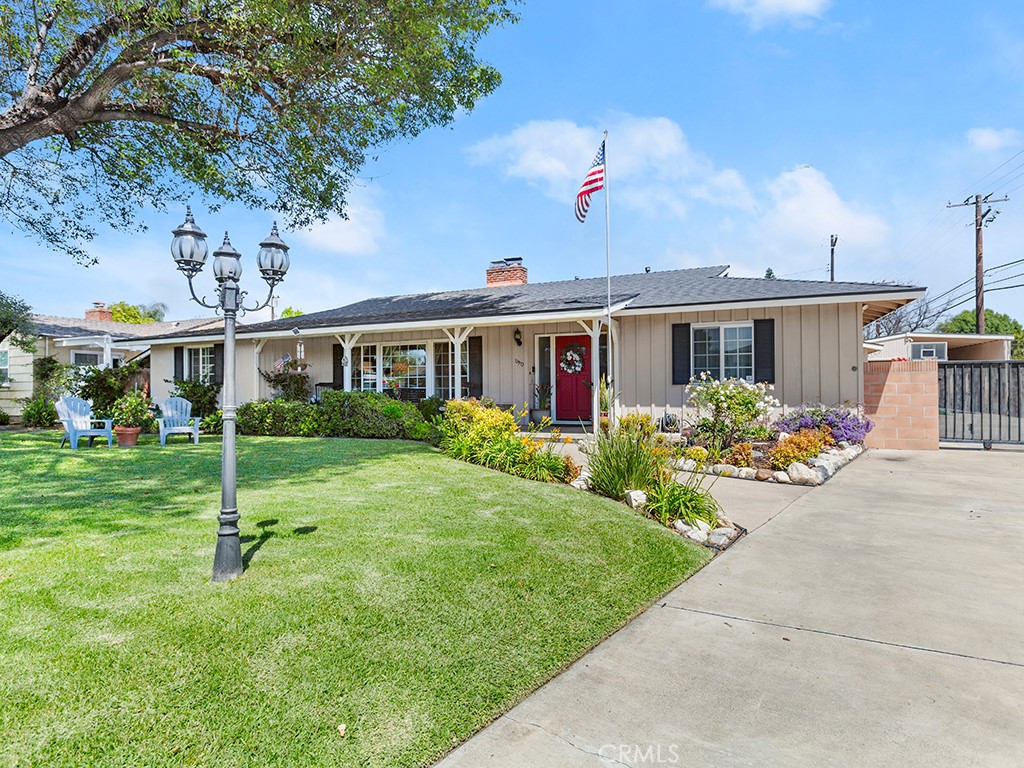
x,y
980,220
832,269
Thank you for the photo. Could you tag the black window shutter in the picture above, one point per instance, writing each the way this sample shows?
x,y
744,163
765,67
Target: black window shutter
x,y
764,351
337,355
681,353
179,363
218,363
476,366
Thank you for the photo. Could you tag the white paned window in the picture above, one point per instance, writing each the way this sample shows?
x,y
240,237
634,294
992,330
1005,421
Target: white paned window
x,y
444,369
405,367
85,359
725,351
200,364
364,368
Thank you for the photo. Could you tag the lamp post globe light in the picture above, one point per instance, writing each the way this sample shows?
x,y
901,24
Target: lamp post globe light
x,y
189,250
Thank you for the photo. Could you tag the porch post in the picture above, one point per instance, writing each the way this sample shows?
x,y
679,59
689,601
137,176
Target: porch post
x,y
108,360
348,343
457,335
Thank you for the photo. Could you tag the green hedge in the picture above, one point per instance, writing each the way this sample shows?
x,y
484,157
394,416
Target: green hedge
x,y
341,414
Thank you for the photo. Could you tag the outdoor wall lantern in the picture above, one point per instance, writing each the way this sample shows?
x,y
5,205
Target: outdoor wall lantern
x,y
517,334
189,250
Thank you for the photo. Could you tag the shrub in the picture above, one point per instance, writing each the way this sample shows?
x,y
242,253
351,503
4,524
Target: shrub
x,y
669,500
845,423
727,409
742,455
202,395
213,424
696,453
5,418
369,414
51,379
280,418
430,407
640,423
802,446
288,384
38,412
472,432
104,386
624,459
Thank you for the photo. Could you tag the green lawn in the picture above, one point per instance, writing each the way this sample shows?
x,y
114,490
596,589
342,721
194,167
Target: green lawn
x,y
405,594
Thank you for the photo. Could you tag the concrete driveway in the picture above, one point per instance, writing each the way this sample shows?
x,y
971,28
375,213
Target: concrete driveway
x,y
878,620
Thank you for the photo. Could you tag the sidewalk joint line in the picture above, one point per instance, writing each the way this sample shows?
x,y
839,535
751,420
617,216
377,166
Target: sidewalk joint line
x,y
843,635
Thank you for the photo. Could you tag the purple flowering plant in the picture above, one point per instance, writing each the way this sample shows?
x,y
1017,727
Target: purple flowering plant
x,y
846,424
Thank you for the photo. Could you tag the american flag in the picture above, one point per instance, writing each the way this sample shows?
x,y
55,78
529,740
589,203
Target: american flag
x,y
591,184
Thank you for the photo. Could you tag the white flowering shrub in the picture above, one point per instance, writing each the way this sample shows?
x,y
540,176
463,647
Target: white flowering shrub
x,y
727,410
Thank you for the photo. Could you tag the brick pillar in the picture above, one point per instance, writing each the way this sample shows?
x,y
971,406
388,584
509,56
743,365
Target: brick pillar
x,y
902,398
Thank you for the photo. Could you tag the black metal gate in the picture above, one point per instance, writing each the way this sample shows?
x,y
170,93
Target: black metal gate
x,y
982,402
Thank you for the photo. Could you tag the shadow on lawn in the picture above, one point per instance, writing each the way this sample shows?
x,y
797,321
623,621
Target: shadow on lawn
x,y
48,491
266,534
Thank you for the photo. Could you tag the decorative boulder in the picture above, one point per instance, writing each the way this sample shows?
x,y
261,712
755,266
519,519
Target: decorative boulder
x,y
681,526
695,534
781,477
782,436
725,470
703,527
729,533
636,499
746,473
718,540
763,474
802,474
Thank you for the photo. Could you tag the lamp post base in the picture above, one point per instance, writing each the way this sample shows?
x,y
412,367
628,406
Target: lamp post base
x,y
227,561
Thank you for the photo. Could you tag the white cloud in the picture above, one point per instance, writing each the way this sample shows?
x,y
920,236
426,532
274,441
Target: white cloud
x,y
651,166
993,139
763,12
358,235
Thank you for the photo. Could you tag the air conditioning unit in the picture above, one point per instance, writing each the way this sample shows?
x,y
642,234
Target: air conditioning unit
x,y
928,350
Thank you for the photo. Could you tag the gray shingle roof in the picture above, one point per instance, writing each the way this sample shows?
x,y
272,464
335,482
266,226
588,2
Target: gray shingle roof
x,y
681,287
70,327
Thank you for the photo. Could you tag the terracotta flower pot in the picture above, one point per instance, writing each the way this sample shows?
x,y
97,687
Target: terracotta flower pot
x,y
127,437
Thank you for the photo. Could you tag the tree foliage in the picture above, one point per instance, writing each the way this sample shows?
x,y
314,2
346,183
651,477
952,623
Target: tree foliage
x,y
123,312
995,323
110,105
16,322
290,312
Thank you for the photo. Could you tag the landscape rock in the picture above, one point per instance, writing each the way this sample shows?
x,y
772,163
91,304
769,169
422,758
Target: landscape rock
x,y
746,473
843,444
689,465
703,527
724,470
718,540
781,477
636,499
582,482
803,474
729,533
697,535
725,522
763,474
681,526
782,436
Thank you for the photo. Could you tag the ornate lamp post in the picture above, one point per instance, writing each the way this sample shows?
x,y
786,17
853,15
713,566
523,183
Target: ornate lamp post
x,y
189,250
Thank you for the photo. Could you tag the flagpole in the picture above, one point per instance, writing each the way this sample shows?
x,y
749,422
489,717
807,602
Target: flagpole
x,y
608,273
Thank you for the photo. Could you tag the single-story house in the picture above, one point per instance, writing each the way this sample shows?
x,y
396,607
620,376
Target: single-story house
x,y
925,345
95,340
506,338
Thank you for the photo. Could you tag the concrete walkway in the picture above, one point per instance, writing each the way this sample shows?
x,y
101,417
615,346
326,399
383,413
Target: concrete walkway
x,y
878,620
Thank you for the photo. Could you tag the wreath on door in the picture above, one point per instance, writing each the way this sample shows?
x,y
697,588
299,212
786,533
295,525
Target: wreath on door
x,y
571,359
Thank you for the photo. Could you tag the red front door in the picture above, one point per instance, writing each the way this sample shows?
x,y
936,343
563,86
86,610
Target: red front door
x,y
572,378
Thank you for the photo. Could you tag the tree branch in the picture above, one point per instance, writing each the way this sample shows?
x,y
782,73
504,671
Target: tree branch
x,y
148,114
42,30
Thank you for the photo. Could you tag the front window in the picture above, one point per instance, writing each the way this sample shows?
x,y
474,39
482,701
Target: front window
x,y
200,364
404,367
85,359
5,368
724,351
364,368
444,369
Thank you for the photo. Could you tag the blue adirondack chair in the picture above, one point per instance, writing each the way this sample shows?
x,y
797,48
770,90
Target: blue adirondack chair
x,y
177,419
76,416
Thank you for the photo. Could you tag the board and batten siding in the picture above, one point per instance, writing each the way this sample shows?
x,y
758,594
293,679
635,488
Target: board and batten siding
x,y
818,355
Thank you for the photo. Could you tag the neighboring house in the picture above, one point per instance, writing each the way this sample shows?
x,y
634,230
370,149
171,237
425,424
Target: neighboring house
x,y
923,345
504,339
94,340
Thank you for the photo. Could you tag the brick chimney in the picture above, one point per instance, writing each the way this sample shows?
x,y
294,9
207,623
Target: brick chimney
x,y
100,312
506,272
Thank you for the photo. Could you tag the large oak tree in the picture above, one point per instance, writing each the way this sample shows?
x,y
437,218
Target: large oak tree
x,y
113,105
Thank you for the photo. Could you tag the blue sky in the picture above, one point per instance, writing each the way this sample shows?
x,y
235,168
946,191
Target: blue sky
x,y
741,132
